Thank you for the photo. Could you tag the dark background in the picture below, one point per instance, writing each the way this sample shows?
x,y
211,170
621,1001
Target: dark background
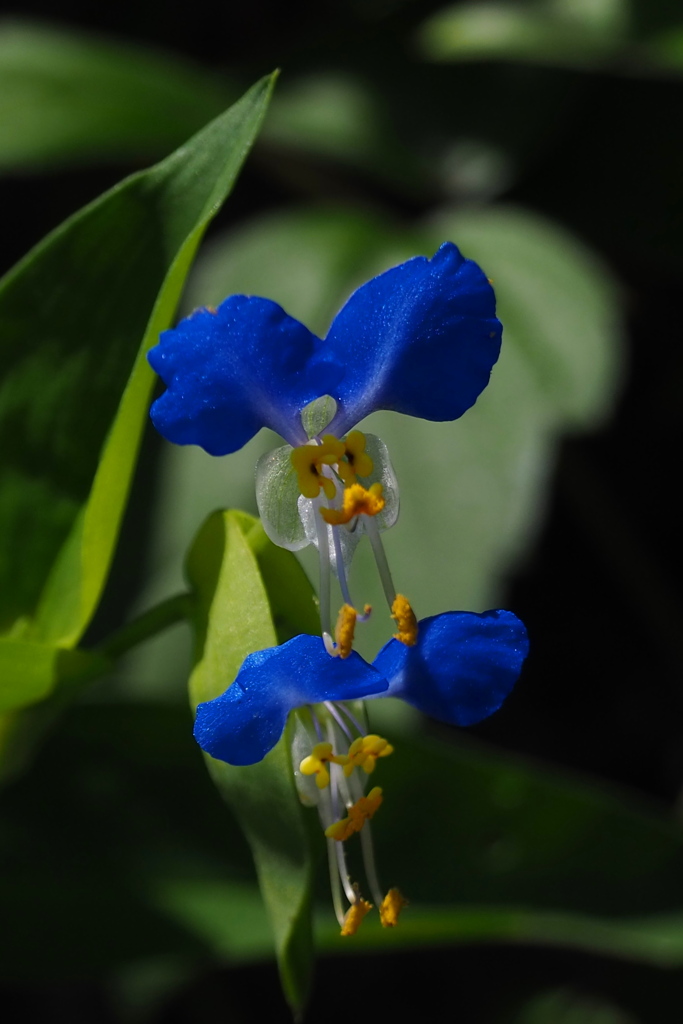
x,y
601,153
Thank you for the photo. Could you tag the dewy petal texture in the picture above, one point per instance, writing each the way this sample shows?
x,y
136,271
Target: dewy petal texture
x,y
231,371
246,721
419,339
462,668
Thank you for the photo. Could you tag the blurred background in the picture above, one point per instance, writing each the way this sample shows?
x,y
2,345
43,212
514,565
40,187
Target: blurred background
x,y
544,139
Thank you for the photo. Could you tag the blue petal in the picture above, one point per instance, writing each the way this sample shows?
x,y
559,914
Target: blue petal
x,y
462,668
230,372
420,339
246,721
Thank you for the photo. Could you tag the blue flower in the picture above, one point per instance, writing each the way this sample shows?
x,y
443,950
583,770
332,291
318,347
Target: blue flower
x,y
419,339
461,669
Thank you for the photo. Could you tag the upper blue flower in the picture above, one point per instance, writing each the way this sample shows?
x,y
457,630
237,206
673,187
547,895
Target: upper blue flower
x,y
461,669
420,339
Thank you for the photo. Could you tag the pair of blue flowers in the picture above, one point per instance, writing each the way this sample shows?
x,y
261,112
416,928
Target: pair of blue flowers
x,y
420,339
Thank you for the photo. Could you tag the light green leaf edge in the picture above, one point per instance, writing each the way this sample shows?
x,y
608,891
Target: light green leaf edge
x,y
75,584
234,617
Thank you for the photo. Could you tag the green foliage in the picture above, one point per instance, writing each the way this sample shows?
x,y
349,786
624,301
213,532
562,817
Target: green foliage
x,y
123,851
243,587
67,97
78,315
582,34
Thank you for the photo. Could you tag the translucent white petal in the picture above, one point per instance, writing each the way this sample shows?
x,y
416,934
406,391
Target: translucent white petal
x,y
277,494
383,473
318,414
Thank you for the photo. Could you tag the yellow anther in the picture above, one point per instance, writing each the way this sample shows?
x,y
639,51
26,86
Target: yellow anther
x,y
357,501
405,620
364,751
343,634
308,460
354,916
390,907
358,462
317,761
359,813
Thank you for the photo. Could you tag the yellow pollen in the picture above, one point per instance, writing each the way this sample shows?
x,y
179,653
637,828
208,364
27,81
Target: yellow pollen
x,y
390,907
357,501
354,916
317,761
343,634
359,813
405,620
308,460
364,751
358,462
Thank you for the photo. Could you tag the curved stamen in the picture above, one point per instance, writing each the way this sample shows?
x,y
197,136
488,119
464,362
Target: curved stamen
x,y
381,559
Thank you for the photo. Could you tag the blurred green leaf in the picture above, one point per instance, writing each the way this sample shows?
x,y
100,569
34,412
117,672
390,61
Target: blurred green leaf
x,y
483,479
339,118
567,1007
116,849
235,616
69,97
580,34
78,315
573,32
30,671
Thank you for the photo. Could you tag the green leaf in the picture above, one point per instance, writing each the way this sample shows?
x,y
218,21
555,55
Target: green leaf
x,y
550,32
70,97
477,486
236,613
77,316
30,671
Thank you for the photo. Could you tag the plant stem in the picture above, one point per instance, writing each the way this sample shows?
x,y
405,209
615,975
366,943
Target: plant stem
x,y
154,620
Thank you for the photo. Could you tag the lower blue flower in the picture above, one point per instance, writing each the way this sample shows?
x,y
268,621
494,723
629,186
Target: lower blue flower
x,y
461,669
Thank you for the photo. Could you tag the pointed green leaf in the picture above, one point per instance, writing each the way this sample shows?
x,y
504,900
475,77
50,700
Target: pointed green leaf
x,y
77,316
229,567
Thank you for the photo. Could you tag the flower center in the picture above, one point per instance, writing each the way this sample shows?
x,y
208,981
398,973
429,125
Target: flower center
x,y
329,465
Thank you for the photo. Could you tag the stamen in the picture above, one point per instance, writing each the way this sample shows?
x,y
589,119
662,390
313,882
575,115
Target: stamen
x,y
358,461
335,881
405,619
351,717
390,907
364,751
317,761
308,461
338,718
383,569
325,581
354,916
362,811
343,634
357,501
